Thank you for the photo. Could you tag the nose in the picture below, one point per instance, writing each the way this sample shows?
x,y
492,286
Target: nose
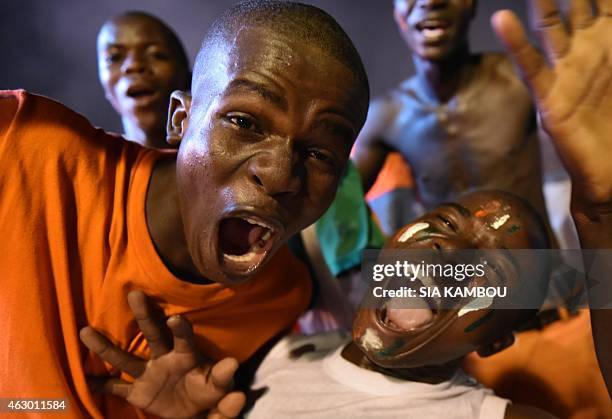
x,y
133,63
276,170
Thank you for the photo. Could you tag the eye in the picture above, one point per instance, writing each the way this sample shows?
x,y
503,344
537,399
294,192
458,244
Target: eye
x,y
320,155
242,121
159,55
113,58
447,222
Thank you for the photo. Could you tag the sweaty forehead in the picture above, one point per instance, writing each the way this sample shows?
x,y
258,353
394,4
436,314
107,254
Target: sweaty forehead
x,y
264,49
291,64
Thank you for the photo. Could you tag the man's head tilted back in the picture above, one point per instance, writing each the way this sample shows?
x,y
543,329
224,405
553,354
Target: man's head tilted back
x,y
279,96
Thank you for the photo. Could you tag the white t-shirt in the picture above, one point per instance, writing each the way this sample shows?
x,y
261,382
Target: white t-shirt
x,y
320,384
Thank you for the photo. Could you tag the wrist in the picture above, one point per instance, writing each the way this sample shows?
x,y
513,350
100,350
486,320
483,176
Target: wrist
x,y
593,223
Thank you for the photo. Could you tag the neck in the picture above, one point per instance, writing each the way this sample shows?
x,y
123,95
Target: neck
x,y
150,138
165,223
443,79
433,374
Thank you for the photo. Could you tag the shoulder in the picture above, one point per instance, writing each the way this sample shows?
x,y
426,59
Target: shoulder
x,y
498,66
382,114
40,119
33,125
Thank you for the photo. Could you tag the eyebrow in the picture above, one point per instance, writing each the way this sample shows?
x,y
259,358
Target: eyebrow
x,y
338,128
259,88
462,210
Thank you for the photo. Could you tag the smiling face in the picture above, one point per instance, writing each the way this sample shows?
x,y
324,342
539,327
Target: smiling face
x,y
434,29
431,335
139,67
264,144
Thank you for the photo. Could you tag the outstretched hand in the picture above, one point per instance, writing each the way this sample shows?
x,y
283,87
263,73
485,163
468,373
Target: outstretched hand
x,y
572,87
176,382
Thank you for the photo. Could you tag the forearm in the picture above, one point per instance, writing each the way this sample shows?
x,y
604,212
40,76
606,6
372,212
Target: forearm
x,y
594,226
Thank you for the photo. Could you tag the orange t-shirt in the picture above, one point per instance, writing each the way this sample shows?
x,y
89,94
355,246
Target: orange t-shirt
x,y
74,241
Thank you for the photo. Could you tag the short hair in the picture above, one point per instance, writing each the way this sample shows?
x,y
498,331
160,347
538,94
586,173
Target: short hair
x,y
296,20
170,35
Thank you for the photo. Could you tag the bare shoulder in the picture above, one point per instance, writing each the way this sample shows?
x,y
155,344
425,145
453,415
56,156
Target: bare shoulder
x,y
382,114
520,411
498,66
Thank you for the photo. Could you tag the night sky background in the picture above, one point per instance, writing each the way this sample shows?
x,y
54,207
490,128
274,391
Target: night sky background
x,y
49,46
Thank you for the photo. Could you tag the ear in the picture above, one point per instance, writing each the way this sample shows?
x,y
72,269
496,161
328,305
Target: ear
x,y
178,117
496,346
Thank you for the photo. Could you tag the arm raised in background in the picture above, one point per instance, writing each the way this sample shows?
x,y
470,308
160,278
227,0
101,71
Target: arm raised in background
x,y
572,89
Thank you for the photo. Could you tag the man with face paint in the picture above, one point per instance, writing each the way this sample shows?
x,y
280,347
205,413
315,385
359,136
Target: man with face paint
x,y
405,362
141,62
462,122
279,95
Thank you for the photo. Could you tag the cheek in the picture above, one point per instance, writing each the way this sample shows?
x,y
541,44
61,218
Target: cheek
x,y
321,189
168,75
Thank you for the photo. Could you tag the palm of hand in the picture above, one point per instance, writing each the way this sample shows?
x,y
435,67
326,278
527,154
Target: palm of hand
x,y
576,110
174,383
573,91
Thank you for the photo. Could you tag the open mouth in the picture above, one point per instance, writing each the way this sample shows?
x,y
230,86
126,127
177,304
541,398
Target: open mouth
x,y
245,242
434,29
421,312
141,92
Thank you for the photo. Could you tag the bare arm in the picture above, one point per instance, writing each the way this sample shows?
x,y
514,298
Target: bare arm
x,y
370,150
573,93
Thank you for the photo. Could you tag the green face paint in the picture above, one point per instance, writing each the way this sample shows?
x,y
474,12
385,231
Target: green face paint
x,y
479,322
391,349
513,229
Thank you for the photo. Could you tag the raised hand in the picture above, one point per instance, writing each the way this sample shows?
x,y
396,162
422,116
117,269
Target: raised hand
x,y
572,88
176,382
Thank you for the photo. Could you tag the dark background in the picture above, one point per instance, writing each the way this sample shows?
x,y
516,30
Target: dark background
x,y
48,46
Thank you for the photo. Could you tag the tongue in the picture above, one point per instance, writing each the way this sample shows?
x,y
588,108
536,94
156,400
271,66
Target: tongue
x,y
255,234
237,235
408,318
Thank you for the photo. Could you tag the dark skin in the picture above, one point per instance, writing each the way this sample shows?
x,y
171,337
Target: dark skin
x,y
265,142
573,91
139,67
432,352
468,224
462,122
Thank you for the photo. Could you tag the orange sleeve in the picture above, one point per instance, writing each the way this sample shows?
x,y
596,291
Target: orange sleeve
x,y
42,196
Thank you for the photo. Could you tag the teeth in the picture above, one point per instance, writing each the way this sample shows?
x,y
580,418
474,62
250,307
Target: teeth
x,y
428,282
433,33
239,258
258,223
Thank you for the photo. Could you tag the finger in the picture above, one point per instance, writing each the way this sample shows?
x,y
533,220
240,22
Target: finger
x,y
115,386
551,29
150,323
581,14
110,353
182,334
222,373
529,61
229,406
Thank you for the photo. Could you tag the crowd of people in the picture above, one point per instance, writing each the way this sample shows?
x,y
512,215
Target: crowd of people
x,y
206,262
